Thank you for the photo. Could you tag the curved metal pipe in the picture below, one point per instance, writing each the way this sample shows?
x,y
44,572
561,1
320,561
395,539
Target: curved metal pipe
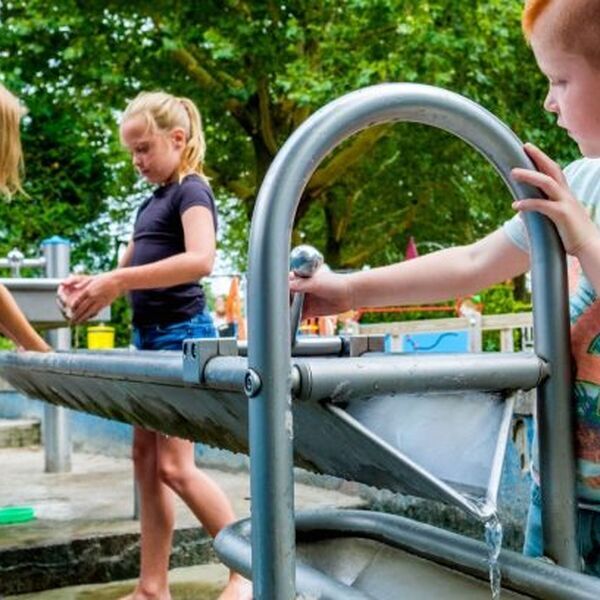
x,y
271,434
520,574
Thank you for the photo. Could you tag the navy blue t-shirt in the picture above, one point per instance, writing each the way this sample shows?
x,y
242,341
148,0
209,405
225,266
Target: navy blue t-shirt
x,y
158,234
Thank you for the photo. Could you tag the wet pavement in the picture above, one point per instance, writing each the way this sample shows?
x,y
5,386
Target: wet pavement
x,y
84,531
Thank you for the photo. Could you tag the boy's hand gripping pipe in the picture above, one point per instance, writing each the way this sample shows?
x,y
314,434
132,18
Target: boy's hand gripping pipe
x,y
304,262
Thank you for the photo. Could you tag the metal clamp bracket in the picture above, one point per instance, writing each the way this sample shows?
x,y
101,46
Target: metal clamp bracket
x,y
198,351
357,345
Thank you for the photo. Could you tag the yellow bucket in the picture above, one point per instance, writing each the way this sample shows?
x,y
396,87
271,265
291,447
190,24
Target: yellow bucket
x,y
100,337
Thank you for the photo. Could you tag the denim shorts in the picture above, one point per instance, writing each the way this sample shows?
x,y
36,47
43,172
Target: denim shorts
x,y
171,336
588,530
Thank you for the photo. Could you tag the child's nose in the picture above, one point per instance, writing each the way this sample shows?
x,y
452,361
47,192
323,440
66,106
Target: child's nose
x,y
550,104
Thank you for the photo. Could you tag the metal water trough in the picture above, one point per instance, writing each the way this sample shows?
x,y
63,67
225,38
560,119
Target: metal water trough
x,y
361,555
359,404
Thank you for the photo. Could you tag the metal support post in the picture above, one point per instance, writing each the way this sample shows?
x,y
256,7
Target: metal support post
x,y
57,430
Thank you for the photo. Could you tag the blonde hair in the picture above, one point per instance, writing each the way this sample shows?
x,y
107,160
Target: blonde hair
x,y
576,25
163,112
11,154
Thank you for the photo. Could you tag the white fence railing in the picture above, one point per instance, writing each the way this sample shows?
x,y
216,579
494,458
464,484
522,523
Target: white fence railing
x,y
475,324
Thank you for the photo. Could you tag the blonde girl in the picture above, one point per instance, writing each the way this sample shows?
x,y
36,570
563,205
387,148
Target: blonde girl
x,y
13,323
172,248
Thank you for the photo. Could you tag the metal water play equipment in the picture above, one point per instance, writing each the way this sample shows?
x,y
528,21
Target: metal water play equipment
x,y
280,194
434,426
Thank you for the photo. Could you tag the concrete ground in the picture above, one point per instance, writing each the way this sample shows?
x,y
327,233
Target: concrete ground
x,y
202,582
95,502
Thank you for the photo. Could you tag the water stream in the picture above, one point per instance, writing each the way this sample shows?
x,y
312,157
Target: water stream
x,y
493,541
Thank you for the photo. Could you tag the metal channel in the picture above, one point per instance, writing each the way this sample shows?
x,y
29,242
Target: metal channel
x,y
271,427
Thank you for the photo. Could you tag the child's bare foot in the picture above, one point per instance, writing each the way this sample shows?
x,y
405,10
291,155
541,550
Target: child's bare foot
x,y
238,588
139,594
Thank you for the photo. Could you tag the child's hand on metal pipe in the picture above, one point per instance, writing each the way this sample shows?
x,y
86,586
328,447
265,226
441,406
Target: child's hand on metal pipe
x,y
327,293
574,224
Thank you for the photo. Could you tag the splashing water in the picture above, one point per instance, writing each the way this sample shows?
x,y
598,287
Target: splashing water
x,y
493,541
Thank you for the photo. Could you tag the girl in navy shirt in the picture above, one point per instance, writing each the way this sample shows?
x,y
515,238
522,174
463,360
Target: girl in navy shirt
x,y
172,248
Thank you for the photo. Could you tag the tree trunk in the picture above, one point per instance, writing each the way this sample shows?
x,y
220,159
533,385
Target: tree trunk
x,y
520,289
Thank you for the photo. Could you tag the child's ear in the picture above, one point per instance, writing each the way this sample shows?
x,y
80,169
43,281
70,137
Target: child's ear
x,y
178,137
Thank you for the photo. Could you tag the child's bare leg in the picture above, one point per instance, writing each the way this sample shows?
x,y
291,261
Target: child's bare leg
x,y
157,519
204,497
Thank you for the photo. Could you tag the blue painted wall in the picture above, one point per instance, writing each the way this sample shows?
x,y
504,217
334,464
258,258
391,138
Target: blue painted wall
x,y
447,341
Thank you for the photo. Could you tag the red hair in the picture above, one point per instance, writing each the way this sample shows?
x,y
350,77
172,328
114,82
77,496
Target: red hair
x,y
575,25
533,9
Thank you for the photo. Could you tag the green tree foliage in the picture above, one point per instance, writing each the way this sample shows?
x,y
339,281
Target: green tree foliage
x,y
257,70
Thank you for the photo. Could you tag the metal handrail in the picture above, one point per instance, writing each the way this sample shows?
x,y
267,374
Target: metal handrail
x,y
271,427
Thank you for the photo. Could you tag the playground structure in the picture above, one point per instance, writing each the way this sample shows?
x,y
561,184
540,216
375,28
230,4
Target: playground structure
x,y
341,406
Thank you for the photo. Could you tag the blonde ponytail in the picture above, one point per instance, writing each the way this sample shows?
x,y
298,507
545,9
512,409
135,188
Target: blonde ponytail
x,y
195,149
163,112
11,154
